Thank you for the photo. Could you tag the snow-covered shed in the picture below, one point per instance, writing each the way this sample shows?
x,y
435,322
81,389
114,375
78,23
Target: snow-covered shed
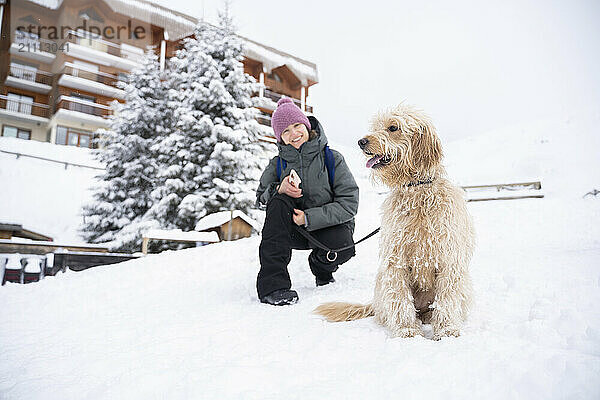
x,y
230,225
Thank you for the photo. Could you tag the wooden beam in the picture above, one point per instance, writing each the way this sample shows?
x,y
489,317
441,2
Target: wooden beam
x,y
538,196
536,185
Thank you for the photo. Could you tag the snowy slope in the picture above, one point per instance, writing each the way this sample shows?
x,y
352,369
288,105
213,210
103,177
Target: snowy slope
x,y
187,324
562,151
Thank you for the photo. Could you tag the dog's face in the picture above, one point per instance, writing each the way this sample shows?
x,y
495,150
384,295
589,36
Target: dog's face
x,y
401,146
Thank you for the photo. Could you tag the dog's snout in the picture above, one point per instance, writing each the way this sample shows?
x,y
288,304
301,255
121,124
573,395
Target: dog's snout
x,y
362,143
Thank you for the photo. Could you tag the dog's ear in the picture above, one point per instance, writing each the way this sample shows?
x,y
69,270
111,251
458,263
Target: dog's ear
x,y
427,148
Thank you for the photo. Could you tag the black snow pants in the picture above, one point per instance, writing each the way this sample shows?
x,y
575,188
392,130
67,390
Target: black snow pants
x,y
280,235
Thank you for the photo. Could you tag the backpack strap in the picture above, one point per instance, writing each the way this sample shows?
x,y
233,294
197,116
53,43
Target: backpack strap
x,y
281,165
329,164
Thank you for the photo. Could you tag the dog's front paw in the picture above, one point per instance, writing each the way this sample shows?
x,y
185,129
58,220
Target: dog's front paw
x,y
406,332
445,332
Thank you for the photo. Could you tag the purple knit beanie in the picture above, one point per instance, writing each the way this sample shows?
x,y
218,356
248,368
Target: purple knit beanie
x,y
286,114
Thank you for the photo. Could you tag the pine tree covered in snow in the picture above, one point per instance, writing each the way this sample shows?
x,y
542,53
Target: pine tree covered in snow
x,y
212,160
115,215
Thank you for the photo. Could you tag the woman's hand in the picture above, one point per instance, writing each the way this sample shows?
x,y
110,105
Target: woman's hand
x,y
287,188
298,217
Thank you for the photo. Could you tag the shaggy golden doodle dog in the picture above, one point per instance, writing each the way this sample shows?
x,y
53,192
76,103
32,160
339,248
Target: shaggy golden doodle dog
x,y
427,236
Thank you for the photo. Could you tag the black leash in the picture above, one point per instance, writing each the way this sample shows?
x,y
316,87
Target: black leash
x,y
321,246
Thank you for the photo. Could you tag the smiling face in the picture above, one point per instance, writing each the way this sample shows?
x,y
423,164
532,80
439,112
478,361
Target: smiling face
x,y
295,134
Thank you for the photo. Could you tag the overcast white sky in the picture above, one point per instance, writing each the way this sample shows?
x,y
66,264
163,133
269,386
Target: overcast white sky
x,y
472,65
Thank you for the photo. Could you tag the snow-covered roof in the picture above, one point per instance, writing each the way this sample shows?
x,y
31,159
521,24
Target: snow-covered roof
x,y
273,58
178,234
219,218
176,24
179,25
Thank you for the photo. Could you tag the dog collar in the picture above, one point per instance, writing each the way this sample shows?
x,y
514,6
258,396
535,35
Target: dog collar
x,y
418,183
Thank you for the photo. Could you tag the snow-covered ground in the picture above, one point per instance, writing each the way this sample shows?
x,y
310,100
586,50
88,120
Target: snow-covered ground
x,y
187,324
45,196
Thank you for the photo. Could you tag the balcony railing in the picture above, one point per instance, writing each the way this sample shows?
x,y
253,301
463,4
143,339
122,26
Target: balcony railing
x,y
83,106
24,107
30,74
96,76
276,96
264,120
97,43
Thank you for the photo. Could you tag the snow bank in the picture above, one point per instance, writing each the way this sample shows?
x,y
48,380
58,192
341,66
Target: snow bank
x,y
62,154
45,196
562,151
178,234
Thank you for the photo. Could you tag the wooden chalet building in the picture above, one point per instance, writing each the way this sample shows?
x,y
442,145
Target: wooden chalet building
x,y
61,60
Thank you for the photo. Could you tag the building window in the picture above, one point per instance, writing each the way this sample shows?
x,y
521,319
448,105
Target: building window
x,y
275,76
73,137
61,135
11,131
92,14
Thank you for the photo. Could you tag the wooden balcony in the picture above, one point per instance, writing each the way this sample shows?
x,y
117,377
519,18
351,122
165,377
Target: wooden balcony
x,y
30,74
24,108
31,46
29,78
96,76
275,96
82,106
264,120
90,41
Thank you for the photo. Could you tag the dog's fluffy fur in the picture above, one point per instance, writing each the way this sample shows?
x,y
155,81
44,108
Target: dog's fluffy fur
x,y
427,237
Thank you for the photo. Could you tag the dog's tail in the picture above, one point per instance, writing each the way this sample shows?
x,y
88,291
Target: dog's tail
x,y
338,312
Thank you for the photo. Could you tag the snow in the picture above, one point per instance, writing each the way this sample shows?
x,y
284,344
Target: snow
x,y
273,58
561,151
187,324
45,196
13,261
64,154
221,217
178,234
264,102
33,265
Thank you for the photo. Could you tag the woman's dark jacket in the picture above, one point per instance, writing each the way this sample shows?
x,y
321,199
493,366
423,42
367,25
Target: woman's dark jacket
x,y
323,204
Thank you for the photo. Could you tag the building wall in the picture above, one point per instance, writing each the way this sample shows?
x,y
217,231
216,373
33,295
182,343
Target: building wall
x,y
39,132
68,15
239,229
37,97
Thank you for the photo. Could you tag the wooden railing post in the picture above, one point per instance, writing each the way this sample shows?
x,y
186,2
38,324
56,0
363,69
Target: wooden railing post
x,y
145,245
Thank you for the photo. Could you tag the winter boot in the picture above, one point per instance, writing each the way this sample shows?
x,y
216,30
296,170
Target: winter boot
x,y
281,297
324,281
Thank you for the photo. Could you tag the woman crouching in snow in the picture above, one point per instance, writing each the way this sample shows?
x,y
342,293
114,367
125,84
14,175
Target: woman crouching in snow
x,y
324,204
